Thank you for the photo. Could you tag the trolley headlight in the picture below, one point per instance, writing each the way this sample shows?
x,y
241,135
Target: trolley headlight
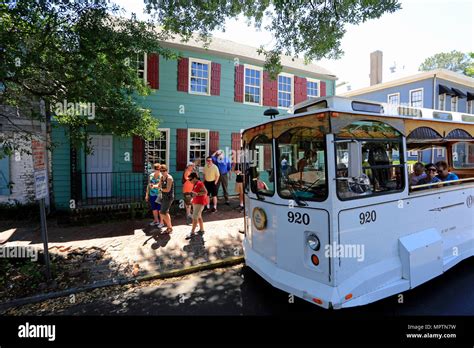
x,y
313,242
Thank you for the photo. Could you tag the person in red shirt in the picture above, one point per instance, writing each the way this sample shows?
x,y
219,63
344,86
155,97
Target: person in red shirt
x,y
200,199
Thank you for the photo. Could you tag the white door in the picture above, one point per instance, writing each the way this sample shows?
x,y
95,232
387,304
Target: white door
x,y
99,167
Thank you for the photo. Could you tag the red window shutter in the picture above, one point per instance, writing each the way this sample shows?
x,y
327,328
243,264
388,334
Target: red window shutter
x,y
183,74
181,148
138,154
213,141
323,89
267,157
301,89
236,145
215,79
270,90
153,70
239,84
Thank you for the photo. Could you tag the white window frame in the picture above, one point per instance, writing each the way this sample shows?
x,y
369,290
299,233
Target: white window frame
x,y
470,106
189,138
292,83
202,61
422,97
443,105
454,100
392,94
253,67
318,82
145,67
168,132
413,153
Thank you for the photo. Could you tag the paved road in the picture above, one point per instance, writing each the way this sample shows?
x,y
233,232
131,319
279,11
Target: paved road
x,y
240,291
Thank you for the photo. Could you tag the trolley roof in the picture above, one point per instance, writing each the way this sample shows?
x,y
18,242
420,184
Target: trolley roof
x,y
359,106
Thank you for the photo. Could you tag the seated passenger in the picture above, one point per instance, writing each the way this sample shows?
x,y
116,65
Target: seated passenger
x,y
443,173
418,173
260,184
430,176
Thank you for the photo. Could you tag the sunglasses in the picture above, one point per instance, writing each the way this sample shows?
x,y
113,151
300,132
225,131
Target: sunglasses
x,y
163,171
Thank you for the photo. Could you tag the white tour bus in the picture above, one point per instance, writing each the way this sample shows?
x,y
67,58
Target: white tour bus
x,y
332,213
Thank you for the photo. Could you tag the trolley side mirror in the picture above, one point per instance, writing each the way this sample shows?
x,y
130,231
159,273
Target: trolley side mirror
x,y
355,159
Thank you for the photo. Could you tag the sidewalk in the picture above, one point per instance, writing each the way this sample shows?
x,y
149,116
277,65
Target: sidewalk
x,y
128,249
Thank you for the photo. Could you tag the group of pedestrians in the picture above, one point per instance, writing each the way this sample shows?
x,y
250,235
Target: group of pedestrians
x,y
197,195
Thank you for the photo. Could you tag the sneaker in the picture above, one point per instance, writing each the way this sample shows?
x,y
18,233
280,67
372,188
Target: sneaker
x,y
227,203
153,223
160,225
214,210
190,235
189,219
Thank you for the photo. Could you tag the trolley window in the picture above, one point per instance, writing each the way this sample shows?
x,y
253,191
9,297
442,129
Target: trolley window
x,y
260,166
463,155
369,160
301,165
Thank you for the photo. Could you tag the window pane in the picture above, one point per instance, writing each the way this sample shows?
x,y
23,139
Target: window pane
x,y
302,165
156,151
284,91
199,78
261,166
372,164
197,148
252,85
463,155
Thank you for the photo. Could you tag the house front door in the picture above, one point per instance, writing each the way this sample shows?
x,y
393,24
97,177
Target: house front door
x,y
99,167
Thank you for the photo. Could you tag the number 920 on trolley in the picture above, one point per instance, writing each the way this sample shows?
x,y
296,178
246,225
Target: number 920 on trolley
x,y
333,213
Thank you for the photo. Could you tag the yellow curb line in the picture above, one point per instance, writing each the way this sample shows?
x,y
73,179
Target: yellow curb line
x,y
230,261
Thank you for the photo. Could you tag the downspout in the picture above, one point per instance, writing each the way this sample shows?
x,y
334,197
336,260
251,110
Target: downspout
x,y
433,107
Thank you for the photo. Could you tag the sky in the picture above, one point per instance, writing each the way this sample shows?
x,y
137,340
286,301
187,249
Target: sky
x,y
420,29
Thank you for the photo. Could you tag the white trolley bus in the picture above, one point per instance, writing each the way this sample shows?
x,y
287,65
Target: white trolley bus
x,y
330,215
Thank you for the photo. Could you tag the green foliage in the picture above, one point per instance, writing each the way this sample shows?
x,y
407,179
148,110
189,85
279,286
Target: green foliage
x,y
78,53
469,71
456,61
310,28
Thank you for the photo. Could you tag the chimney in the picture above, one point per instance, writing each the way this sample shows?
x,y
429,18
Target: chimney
x,y
375,67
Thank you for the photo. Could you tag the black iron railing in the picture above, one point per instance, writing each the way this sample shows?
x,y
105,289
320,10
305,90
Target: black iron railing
x,y
106,188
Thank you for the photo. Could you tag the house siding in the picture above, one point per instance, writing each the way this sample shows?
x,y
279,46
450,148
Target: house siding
x,y
404,90
61,164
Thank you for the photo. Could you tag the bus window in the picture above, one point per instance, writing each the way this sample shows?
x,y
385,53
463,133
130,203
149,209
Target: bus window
x,y
369,160
301,165
260,166
463,155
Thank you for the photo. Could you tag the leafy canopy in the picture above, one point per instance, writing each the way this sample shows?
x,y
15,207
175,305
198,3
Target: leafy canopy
x,y
456,61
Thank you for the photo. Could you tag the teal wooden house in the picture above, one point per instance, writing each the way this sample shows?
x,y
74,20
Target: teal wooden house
x,y
202,101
